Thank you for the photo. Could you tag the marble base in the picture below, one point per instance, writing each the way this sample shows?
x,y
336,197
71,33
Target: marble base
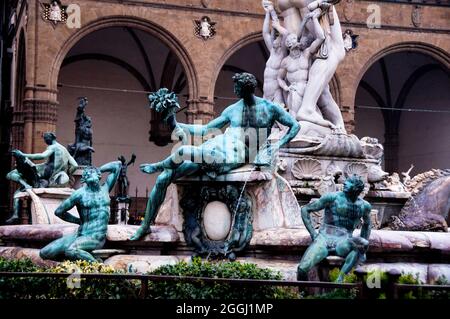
x,y
426,253
44,202
311,176
381,241
42,234
274,203
298,169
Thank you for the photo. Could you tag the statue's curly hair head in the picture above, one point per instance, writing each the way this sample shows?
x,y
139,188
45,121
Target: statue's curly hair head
x,y
88,171
163,101
244,83
49,135
356,183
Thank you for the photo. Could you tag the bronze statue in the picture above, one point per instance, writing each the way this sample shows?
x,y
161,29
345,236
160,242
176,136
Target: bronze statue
x,y
82,149
222,153
123,182
54,172
93,204
343,211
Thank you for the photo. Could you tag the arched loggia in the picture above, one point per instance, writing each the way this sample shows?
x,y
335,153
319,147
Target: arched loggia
x,y
402,100
117,79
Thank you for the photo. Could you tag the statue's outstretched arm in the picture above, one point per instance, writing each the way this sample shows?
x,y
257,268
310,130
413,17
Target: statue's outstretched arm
x,y
63,210
286,119
266,31
277,26
312,15
366,227
114,169
306,210
39,156
132,160
200,130
318,31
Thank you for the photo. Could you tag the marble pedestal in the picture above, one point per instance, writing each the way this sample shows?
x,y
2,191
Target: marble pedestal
x,y
195,204
41,203
311,176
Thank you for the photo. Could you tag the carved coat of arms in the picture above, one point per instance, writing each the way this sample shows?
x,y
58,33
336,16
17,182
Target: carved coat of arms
x,y
348,9
54,12
204,28
416,16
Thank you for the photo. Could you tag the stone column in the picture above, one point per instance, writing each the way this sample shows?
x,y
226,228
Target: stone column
x,y
17,129
39,116
200,109
344,79
391,146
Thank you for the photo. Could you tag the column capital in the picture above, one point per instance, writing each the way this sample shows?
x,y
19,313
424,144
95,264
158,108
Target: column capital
x,y
42,111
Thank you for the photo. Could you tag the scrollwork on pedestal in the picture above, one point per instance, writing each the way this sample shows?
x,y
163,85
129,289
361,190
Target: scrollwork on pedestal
x,y
193,204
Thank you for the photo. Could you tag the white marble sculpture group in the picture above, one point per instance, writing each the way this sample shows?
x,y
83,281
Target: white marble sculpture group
x,y
305,51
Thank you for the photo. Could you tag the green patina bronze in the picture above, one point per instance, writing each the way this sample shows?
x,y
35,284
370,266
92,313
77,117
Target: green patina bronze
x,y
54,172
93,205
343,212
222,153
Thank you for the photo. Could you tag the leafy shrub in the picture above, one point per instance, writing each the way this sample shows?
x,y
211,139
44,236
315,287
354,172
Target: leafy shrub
x,y
74,287
62,288
442,294
339,293
409,279
350,278
23,288
202,290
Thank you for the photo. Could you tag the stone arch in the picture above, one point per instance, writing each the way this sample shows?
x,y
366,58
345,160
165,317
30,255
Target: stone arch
x,y
147,26
425,48
236,46
391,99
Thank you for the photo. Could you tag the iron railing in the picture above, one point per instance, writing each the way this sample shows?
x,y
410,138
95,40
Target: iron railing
x,y
391,290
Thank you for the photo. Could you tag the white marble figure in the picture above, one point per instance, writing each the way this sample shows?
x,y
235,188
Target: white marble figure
x,y
205,28
275,44
55,12
318,105
348,40
293,73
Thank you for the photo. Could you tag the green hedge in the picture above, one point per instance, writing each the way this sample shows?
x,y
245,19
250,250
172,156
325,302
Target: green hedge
x,y
63,288
236,270
75,288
